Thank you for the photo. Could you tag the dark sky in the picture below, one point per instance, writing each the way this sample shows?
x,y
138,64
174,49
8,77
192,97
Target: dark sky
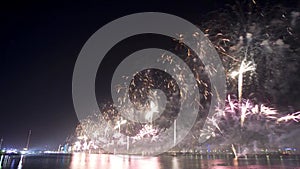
x,y
39,44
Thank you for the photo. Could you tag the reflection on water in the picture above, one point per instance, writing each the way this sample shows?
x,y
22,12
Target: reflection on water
x,y
100,161
20,162
95,161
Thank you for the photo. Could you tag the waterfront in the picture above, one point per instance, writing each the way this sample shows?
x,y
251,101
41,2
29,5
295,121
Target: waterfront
x,y
95,161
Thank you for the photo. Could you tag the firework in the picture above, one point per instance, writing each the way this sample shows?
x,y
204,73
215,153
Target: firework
x,y
234,151
294,117
245,55
150,103
146,131
244,67
247,109
261,123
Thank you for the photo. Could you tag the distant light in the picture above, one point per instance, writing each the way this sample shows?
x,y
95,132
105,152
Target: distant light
x,y
11,151
288,149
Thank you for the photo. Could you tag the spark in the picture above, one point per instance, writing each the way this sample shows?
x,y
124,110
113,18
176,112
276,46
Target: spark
x,y
234,151
244,67
119,123
247,110
153,109
147,130
214,122
244,108
294,116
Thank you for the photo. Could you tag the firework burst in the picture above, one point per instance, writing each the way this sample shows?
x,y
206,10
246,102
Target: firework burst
x,y
262,124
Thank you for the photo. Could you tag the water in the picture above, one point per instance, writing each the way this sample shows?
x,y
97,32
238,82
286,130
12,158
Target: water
x,y
97,161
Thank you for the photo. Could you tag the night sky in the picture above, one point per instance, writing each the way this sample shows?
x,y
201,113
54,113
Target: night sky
x,y
39,45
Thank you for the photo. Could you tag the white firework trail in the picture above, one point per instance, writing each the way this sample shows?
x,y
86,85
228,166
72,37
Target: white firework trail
x,y
245,66
294,117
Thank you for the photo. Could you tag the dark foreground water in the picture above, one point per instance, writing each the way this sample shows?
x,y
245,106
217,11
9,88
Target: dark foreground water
x,y
105,161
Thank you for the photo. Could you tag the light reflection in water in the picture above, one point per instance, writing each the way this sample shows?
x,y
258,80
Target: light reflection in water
x,y
99,161
95,161
235,163
175,163
20,162
105,161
